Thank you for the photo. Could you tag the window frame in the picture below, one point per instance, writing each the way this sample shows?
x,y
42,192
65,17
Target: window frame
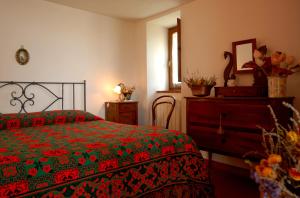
x,y
171,31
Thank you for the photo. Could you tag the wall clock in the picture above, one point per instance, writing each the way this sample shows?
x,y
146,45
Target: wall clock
x,y
22,56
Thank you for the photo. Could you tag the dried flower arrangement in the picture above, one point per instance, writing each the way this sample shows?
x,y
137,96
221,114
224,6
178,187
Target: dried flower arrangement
x,y
199,84
278,64
278,173
196,79
126,89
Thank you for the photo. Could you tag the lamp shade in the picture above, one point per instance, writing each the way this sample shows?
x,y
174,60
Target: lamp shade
x,y
117,89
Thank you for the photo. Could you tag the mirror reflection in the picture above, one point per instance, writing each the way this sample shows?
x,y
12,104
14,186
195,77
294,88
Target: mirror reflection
x,y
243,53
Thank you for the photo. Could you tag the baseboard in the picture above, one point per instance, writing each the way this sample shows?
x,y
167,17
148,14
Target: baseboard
x,y
231,170
233,161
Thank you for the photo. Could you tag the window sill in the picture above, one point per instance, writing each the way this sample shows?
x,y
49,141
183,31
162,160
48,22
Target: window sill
x,y
170,91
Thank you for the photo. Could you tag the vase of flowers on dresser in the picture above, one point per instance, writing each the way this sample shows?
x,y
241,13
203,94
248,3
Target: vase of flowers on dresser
x,y
277,86
200,85
276,68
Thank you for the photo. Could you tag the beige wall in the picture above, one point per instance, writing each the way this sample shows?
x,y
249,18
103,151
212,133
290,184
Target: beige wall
x,y
140,59
209,28
157,58
68,44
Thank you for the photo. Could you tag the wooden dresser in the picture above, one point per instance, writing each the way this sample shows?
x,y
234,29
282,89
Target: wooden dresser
x,y
122,112
229,125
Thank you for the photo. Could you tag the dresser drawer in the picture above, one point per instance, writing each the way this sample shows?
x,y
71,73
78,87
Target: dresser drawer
x,y
125,107
128,118
205,112
230,143
250,91
245,116
238,117
242,116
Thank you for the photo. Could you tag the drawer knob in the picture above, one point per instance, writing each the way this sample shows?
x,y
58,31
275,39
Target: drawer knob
x,y
220,129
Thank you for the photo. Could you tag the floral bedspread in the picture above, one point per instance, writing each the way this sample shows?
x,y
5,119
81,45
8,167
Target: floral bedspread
x,y
95,158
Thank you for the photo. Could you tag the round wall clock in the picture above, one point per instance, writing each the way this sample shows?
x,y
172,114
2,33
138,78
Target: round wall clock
x,y
22,56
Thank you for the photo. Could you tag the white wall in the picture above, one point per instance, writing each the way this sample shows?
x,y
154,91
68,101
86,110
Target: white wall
x,y
209,28
141,70
157,58
67,44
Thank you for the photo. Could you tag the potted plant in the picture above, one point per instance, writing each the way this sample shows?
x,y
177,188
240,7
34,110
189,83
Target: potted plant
x,y
199,84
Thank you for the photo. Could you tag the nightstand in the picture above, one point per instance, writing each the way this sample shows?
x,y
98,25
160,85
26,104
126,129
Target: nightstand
x,y
125,112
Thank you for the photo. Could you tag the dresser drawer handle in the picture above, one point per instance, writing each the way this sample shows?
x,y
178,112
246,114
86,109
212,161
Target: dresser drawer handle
x,y
220,129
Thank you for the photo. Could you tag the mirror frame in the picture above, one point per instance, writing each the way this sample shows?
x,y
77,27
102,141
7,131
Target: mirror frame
x,y
236,43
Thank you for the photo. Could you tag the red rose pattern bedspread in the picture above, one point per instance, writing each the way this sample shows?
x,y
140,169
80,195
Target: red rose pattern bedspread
x,y
75,154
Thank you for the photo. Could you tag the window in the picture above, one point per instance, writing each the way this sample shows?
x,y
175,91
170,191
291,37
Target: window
x,y
174,56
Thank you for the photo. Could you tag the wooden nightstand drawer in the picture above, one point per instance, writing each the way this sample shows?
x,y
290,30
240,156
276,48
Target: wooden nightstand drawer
x,y
125,107
128,118
122,112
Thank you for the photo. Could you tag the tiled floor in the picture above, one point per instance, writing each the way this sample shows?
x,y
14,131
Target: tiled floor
x,y
233,182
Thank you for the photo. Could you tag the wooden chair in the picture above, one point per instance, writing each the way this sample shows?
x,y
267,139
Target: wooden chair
x,y
167,100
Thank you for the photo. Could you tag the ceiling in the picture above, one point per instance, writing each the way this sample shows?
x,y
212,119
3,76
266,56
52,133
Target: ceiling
x,y
167,21
125,9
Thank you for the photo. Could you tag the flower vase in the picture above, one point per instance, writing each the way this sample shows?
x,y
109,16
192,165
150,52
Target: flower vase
x,y
277,86
127,96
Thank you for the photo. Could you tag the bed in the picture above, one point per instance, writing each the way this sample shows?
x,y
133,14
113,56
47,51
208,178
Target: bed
x,y
72,153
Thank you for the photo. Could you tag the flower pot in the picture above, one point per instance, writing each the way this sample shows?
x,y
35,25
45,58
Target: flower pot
x,y
201,90
277,86
127,96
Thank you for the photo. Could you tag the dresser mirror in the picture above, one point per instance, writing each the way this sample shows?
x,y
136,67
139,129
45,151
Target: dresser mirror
x,y
243,53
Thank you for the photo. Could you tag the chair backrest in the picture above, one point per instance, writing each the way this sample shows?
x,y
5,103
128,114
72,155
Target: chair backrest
x,y
165,99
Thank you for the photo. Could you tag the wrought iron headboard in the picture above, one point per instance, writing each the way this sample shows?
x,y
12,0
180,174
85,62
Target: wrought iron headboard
x,y
22,96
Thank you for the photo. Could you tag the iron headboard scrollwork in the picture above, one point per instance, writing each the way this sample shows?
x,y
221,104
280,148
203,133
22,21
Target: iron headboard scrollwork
x,y
22,95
